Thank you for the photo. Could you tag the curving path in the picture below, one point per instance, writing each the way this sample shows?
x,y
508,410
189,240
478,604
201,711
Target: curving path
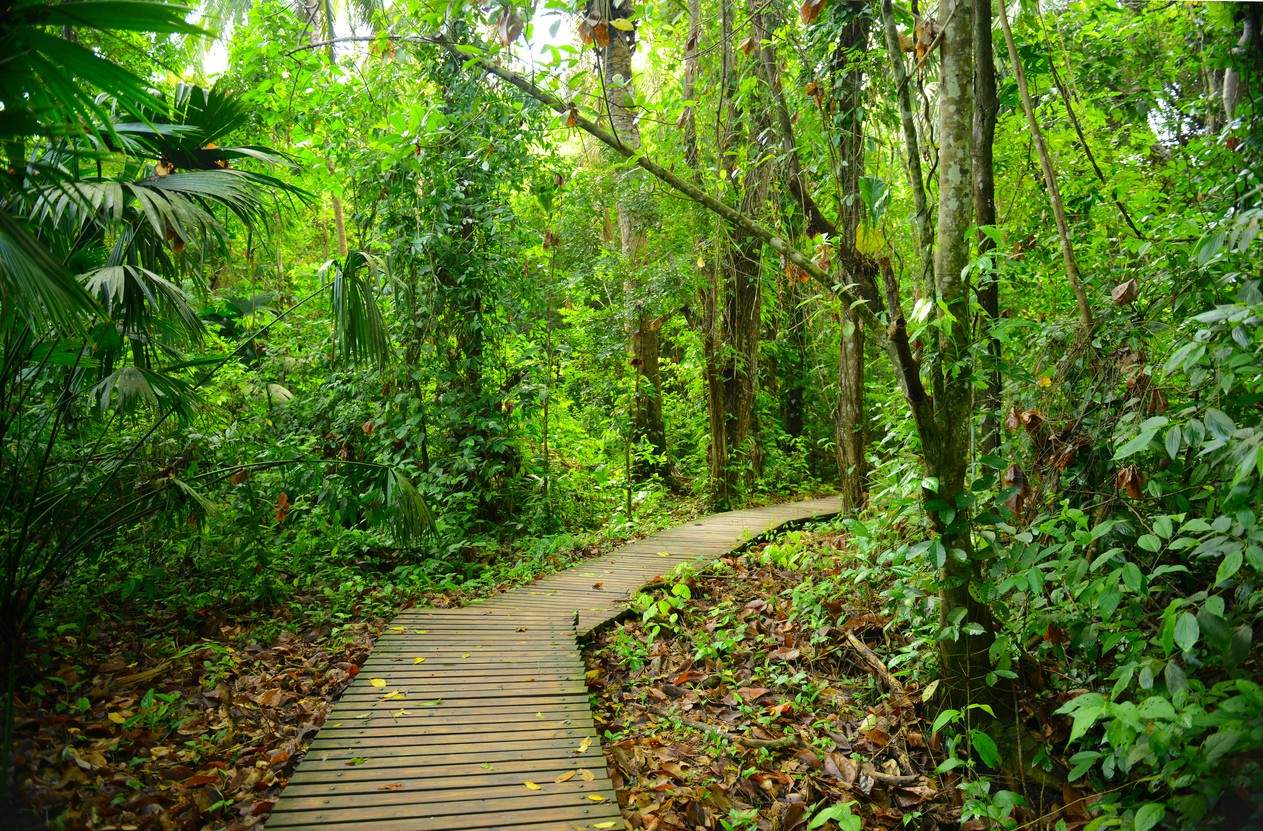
x,y
477,718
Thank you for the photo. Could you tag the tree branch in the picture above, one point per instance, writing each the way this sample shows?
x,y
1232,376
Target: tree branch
x,y
734,217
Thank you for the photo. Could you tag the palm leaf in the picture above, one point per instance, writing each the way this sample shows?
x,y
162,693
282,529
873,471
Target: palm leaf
x,y
35,284
360,332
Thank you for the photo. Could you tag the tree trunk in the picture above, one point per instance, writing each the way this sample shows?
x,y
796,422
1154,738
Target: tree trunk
x,y
741,326
647,423
851,425
945,440
986,110
1050,179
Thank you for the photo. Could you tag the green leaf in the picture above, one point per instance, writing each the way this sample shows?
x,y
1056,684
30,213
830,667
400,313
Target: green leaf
x,y
1085,710
1149,542
841,814
1229,566
1186,631
1172,441
986,748
1149,815
1135,445
944,718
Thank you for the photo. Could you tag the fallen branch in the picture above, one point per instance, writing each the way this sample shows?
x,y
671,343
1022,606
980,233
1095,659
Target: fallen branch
x,y
789,740
875,664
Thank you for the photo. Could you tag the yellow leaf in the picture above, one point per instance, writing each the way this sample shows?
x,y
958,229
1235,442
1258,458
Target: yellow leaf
x,y
393,695
117,718
418,660
667,553
423,631
531,786
586,775
603,825
596,797
377,682
622,24
1045,381
584,745
565,777
466,655
868,241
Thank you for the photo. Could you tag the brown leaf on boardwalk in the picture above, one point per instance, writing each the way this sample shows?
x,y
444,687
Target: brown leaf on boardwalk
x,y
565,777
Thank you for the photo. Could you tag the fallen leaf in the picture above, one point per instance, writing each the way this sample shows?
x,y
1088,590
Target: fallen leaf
x,y
418,660
751,694
358,760
377,682
586,775
596,797
391,786
531,786
603,824
565,777
393,695
584,745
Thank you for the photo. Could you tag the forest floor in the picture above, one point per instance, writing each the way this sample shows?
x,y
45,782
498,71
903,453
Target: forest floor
x,y
150,717
739,702
750,709
145,713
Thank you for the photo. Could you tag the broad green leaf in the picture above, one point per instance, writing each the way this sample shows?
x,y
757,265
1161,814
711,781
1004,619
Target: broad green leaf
x,y
1186,631
1149,815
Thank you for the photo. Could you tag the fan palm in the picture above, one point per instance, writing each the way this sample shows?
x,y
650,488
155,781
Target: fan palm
x,y
109,185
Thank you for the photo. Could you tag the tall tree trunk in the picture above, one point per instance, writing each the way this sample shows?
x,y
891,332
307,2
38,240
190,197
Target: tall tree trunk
x,y
852,426
742,307
912,152
945,438
986,110
643,329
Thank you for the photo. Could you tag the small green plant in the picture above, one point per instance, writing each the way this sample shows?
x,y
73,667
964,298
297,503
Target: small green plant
x,y
839,814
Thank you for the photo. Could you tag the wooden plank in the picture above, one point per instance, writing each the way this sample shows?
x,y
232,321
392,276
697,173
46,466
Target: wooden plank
x,y
500,698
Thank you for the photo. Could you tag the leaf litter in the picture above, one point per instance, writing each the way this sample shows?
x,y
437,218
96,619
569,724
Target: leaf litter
x,y
783,721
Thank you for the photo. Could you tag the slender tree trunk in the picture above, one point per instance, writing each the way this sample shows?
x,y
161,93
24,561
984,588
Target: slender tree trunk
x,y
1050,178
986,110
912,152
741,325
647,423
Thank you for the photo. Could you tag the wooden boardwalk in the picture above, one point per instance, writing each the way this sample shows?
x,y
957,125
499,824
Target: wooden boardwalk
x,y
477,718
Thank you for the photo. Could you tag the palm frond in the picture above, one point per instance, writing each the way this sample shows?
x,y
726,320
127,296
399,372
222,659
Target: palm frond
x,y
131,387
410,517
36,285
358,325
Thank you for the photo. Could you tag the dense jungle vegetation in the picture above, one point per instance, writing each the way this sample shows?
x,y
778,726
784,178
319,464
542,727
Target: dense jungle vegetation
x,y
314,310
